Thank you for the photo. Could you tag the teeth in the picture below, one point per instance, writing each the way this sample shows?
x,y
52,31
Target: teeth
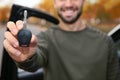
x,y
69,12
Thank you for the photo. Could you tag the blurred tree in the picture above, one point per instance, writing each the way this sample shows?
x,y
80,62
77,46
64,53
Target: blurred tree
x,y
107,11
115,11
4,14
103,9
48,6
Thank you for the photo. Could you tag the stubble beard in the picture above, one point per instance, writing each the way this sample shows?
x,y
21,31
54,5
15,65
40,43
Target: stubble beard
x,y
72,20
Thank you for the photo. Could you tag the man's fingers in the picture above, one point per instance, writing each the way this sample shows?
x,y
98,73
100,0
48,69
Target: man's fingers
x,y
12,27
12,40
11,43
19,24
11,50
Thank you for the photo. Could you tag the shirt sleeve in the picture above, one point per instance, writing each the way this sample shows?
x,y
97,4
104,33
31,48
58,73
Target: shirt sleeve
x,y
113,62
40,58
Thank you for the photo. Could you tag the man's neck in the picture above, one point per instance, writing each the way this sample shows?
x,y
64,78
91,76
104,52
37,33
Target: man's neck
x,y
77,26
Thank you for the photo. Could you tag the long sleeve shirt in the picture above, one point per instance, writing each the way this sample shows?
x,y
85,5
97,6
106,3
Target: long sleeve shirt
x,y
82,55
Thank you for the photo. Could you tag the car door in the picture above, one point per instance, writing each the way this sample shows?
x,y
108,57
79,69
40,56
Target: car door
x,y
9,69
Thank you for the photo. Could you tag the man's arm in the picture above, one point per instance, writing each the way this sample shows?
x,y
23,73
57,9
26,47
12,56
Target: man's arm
x,y
40,57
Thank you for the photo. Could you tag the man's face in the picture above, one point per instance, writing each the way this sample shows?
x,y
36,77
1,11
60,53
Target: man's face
x,y
69,10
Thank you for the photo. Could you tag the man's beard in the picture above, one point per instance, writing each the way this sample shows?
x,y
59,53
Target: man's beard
x,y
72,20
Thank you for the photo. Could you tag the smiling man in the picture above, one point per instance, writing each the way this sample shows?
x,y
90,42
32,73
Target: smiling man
x,y
69,51
70,11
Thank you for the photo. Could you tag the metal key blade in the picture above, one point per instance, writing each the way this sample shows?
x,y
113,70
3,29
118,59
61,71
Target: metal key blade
x,y
25,19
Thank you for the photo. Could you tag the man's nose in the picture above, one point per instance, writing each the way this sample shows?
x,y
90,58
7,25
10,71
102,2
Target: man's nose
x,y
69,3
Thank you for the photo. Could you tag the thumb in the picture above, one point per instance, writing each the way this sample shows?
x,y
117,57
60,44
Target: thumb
x,y
33,41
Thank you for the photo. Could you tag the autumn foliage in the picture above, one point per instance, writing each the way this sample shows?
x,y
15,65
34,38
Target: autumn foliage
x,y
104,10
4,14
107,11
48,6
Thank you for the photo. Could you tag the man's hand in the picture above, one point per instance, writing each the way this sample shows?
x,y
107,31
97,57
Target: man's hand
x,y
11,43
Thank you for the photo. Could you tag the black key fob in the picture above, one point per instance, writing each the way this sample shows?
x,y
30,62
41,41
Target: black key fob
x,y
24,37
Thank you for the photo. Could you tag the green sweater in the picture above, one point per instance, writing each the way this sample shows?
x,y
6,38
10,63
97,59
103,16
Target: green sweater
x,y
81,55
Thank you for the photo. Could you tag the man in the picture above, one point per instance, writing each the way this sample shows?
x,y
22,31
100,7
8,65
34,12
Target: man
x,y
69,51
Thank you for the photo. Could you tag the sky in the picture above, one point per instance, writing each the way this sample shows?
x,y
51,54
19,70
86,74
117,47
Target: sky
x,y
28,3
93,1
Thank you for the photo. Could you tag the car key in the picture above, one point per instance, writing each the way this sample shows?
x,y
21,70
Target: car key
x,y
24,35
